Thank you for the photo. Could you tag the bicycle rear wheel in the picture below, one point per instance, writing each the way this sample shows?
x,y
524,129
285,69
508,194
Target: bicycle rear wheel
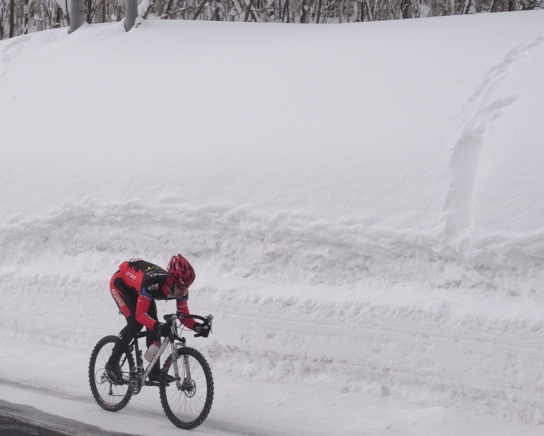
x,y
187,405
109,396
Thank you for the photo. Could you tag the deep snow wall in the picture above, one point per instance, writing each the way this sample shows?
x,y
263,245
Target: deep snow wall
x,y
362,202
370,124
413,325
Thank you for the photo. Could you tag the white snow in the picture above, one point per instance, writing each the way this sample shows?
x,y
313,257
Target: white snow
x,y
362,203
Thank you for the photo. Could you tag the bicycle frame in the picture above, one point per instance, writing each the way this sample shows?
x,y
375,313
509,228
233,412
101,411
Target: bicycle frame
x,y
186,385
138,379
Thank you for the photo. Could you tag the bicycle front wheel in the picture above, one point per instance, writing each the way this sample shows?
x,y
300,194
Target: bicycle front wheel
x,y
187,401
109,396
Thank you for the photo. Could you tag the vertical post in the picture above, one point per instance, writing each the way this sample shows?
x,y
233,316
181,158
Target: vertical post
x,y
11,18
131,12
78,10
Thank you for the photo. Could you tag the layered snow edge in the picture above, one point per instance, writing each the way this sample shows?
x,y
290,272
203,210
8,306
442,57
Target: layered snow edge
x,y
297,300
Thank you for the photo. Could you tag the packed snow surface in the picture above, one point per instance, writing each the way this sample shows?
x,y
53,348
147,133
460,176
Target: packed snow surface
x,y
362,203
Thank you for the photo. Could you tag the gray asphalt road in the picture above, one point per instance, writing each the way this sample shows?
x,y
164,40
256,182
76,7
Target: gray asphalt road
x,y
23,420
13,427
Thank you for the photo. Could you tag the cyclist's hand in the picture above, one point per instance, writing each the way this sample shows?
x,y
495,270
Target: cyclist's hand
x,y
202,329
162,329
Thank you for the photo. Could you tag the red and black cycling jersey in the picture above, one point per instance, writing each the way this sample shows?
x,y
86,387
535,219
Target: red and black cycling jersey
x,y
149,281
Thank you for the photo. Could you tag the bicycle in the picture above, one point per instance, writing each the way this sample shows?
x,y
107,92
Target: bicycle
x,y
186,383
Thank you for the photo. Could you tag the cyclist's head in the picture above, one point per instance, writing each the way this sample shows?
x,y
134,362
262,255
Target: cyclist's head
x,y
181,271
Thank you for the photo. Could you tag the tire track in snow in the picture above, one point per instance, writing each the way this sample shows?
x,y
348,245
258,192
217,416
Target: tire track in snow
x,y
483,109
493,368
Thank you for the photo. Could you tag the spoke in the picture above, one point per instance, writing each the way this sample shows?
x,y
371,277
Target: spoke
x,y
187,404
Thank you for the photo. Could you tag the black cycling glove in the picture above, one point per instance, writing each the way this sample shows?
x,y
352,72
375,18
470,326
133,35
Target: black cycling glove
x,y
201,330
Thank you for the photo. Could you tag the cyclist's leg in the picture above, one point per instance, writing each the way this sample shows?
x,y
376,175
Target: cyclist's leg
x,y
126,299
122,296
155,373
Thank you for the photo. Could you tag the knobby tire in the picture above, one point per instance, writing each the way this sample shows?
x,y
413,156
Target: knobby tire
x,y
187,408
109,396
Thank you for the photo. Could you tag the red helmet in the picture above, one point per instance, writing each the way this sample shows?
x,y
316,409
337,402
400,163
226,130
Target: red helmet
x,y
181,270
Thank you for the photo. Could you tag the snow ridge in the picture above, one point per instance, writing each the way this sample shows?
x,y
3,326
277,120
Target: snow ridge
x,y
304,301
484,109
283,248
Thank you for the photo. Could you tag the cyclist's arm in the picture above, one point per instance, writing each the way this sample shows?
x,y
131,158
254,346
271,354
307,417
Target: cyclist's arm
x,y
152,282
183,307
142,308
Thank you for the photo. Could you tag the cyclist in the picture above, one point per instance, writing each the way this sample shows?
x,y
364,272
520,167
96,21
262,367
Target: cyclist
x,y
135,287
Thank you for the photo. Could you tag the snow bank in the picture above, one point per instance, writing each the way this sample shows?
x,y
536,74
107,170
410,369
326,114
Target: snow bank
x,y
361,202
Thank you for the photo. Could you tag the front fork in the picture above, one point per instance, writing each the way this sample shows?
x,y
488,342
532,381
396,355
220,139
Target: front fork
x,y
181,384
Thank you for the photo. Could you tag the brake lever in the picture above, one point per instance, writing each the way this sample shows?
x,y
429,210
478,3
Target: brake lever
x,y
210,319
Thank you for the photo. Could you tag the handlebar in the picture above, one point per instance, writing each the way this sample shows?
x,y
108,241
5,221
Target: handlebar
x,y
170,317
173,316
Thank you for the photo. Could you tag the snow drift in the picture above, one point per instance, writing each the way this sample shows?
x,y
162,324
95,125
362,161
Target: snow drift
x,y
362,202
